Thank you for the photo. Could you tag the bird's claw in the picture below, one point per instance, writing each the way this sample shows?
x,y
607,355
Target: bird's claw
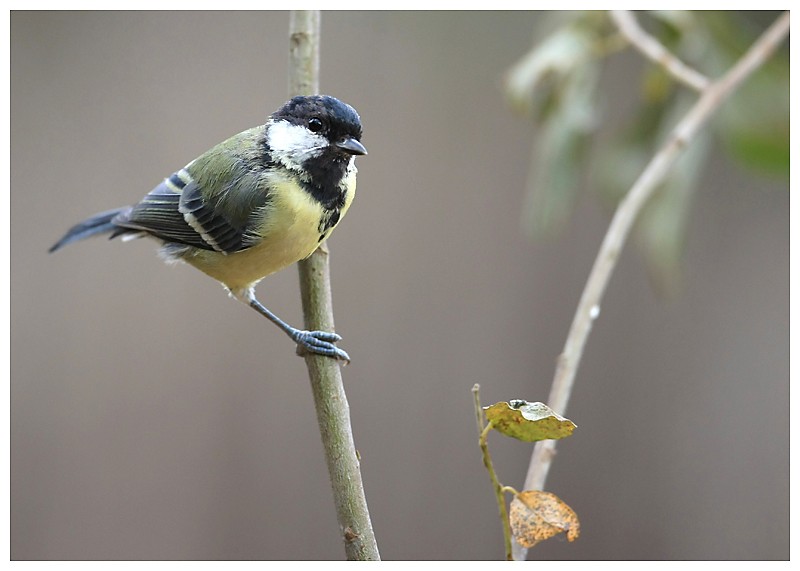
x,y
321,343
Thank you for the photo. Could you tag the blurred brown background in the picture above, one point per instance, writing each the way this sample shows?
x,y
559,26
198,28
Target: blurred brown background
x,y
153,418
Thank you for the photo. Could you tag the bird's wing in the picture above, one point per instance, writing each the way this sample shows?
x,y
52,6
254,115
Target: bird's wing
x,y
175,211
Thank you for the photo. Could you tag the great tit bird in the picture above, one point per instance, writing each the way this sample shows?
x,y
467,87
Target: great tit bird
x,y
254,204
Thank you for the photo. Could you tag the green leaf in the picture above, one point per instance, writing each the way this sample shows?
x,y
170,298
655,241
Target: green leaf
x,y
528,421
542,70
560,153
662,226
762,149
754,124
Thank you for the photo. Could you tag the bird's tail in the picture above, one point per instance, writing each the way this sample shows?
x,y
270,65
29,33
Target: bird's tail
x,y
97,224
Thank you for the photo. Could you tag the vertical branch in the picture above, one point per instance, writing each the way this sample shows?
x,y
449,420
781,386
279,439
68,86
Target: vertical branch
x,y
333,412
304,26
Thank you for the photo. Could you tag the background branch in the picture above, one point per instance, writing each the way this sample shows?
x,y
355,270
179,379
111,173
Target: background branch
x,y
653,49
653,175
330,400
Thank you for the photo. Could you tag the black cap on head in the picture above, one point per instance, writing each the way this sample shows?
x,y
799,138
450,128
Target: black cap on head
x,y
338,119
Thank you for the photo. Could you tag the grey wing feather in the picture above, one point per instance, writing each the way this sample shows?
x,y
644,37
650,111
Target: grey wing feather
x,y
182,217
214,228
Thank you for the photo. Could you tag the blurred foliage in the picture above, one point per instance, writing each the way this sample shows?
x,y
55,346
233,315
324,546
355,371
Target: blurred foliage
x,y
754,124
559,86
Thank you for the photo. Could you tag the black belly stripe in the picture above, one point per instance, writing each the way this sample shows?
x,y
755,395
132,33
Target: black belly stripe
x,y
329,221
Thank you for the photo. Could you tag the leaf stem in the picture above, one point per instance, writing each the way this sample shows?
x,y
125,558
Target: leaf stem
x,y
499,489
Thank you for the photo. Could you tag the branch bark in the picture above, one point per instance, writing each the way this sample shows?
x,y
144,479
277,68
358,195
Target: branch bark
x,y
711,98
330,400
653,49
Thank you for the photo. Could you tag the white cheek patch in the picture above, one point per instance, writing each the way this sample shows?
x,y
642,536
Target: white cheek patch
x,y
294,144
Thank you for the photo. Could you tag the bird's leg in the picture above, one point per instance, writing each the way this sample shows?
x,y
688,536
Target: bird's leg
x,y
319,342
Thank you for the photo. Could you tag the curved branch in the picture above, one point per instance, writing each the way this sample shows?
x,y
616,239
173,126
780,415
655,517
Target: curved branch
x,y
656,171
653,49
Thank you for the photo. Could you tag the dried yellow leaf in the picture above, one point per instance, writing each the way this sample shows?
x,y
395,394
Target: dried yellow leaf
x,y
536,516
528,421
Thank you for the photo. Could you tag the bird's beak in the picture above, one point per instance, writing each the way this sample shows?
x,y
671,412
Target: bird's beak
x,y
352,146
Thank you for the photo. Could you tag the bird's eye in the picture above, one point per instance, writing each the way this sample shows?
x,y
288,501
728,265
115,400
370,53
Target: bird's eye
x,y
315,125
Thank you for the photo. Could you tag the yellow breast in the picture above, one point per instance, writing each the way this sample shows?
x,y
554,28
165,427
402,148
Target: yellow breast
x,y
289,231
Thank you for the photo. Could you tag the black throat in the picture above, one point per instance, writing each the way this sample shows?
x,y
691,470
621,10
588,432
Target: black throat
x,y
322,175
325,174
322,178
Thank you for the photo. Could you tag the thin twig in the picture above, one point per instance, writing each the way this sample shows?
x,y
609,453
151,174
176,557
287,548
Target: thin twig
x,y
499,489
656,171
479,417
654,50
330,400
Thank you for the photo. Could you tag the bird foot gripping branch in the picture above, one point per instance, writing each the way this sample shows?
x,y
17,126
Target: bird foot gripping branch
x,y
319,342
